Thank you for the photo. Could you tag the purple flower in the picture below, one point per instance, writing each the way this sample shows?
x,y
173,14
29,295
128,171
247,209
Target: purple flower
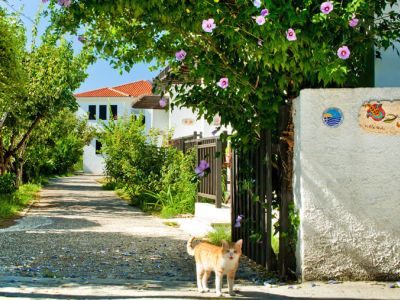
x,y
201,168
65,3
343,52
238,221
45,1
291,34
223,83
199,172
260,20
204,165
208,25
265,12
257,3
353,22
327,7
180,55
162,102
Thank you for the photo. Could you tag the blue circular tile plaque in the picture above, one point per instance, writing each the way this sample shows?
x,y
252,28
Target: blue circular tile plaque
x,y
332,117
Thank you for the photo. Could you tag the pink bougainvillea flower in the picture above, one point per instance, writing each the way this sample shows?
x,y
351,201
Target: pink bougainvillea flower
x,y
180,55
223,83
162,102
353,22
257,3
327,7
291,34
343,52
265,12
208,25
260,20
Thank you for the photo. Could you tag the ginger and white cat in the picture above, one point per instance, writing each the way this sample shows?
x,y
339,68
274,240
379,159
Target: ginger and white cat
x,y
222,260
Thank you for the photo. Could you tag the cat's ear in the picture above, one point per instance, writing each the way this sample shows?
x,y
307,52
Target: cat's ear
x,y
239,243
225,244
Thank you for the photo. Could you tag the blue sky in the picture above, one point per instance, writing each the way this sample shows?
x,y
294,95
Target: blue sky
x,y
101,74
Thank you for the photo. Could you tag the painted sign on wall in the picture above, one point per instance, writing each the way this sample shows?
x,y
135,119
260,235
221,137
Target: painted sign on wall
x,y
380,116
332,117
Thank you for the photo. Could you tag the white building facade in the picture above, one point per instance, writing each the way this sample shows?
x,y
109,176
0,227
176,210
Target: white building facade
x,y
105,104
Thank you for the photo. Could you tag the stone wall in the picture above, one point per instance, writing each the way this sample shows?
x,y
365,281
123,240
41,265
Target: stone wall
x,y
347,189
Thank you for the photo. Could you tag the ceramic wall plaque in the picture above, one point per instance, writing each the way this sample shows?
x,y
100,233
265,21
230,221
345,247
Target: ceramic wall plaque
x,y
187,122
380,116
332,117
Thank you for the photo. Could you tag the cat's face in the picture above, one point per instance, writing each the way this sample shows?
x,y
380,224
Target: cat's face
x,y
232,251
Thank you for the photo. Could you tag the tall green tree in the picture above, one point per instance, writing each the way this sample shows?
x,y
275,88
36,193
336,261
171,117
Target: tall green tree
x,y
56,145
44,82
268,50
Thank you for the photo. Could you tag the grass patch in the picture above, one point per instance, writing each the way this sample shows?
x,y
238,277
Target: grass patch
x,y
123,194
110,185
11,204
172,224
220,232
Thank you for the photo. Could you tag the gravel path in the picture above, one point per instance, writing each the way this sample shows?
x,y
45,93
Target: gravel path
x,y
78,230
82,242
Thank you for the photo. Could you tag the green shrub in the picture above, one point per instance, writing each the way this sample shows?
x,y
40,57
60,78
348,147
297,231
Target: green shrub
x,y
155,178
133,162
220,232
7,183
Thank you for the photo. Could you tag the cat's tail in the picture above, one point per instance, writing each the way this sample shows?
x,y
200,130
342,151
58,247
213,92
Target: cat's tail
x,y
190,249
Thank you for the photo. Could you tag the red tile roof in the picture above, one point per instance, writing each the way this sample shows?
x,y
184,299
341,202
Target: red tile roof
x,y
134,89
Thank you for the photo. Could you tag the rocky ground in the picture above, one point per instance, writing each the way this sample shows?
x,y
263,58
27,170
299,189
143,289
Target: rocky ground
x,y
79,230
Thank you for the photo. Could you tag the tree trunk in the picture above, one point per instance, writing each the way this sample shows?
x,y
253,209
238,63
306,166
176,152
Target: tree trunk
x,y
287,240
19,165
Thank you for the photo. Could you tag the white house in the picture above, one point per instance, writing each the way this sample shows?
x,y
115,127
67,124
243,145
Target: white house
x,y
98,104
134,98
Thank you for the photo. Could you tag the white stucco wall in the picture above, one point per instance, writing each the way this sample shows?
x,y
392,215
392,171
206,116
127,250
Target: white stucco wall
x,y
181,128
92,162
160,119
347,189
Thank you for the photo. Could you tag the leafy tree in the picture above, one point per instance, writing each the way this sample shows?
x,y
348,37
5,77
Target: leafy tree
x,y
47,76
266,59
57,145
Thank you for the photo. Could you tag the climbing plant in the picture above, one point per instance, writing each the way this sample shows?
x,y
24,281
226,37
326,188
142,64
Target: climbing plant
x,y
250,56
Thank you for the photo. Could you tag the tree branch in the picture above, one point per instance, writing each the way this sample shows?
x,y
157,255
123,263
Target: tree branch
x,y
11,152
